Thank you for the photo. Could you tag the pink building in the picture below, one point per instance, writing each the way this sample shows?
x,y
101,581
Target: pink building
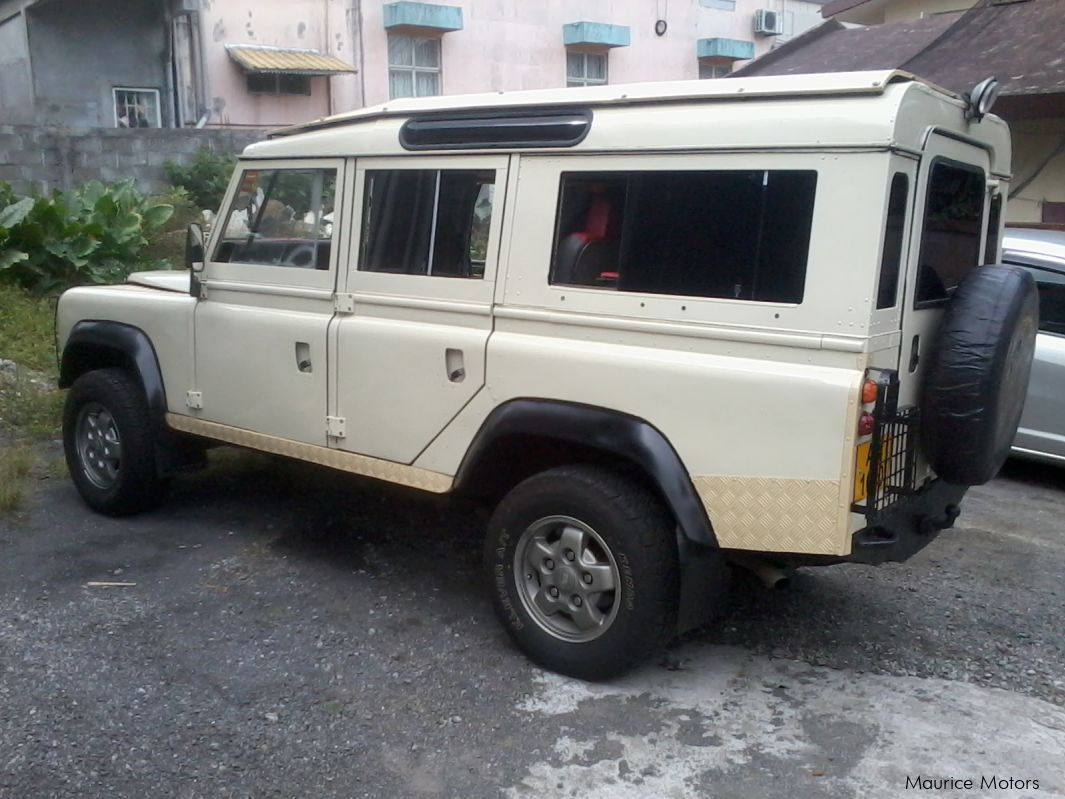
x,y
263,63
399,49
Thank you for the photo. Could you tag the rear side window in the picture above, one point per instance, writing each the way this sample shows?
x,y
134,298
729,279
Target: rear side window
x,y
427,222
740,234
887,291
950,236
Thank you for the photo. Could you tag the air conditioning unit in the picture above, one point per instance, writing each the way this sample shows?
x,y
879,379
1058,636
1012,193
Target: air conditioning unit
x,y
768,23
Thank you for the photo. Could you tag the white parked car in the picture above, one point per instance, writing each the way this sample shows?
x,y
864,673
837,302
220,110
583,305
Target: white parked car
x,y
1041,435
653,327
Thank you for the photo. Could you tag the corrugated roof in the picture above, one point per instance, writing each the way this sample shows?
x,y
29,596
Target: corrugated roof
x,y
260,58
1018,41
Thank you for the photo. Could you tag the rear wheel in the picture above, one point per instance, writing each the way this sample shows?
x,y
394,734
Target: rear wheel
x,y
109,443
583,567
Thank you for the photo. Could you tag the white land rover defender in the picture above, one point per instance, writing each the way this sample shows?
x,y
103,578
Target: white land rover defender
x,y
655,327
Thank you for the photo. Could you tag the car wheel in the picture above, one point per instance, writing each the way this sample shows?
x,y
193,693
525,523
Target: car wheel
x,y
109,443
583,568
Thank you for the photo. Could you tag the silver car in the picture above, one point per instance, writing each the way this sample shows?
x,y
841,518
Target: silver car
x,y
1041,435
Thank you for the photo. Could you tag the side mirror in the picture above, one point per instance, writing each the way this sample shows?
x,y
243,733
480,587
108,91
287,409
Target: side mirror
x,y
194,247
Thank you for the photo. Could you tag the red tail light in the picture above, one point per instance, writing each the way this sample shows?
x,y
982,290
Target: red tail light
x,y
865,424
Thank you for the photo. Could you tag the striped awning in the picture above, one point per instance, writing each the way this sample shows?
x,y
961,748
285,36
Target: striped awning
x,y
263,59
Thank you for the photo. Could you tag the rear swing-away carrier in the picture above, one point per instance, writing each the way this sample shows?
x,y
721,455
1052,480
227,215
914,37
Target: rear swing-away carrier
x,y
886,465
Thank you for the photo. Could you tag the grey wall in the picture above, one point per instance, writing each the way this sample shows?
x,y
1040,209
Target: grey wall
x,y
16,89
36,159
81,50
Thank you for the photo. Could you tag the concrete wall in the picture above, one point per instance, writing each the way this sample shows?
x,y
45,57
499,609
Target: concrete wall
x,y
36,159
16,87
81,50
1033,141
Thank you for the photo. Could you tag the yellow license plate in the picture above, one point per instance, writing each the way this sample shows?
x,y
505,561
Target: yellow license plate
x,y
862,465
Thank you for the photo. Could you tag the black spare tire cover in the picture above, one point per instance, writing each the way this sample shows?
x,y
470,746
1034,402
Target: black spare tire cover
x,y
975,385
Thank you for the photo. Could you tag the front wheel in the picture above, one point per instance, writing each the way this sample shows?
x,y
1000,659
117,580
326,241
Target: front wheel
x,y
583,568
109,443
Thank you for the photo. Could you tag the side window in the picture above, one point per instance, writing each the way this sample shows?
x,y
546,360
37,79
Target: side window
x,y
994,222
950,235
1051,300
280,217
887,291
427,222
727,234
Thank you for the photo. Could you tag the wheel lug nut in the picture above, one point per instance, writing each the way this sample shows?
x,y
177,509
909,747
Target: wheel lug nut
x,y
549,564
577,600
569,555
553,592
586,578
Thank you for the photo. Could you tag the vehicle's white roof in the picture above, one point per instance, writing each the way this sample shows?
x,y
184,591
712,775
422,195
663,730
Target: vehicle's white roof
x,y
826,83
885,108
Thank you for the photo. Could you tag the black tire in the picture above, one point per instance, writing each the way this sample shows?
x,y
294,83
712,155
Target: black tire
x,y
624,527
975,386
116,484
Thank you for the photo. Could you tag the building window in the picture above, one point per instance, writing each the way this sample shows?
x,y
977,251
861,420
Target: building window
x,y
137,108
413,66
714,68
270,83
585,69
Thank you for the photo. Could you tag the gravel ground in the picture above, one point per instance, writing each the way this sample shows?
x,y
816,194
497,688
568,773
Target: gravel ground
x,y
293,632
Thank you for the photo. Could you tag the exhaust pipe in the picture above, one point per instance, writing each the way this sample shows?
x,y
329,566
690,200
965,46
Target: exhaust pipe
x,y
773,577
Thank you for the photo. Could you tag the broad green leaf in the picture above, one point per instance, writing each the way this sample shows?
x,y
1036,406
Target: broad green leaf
x,y
14,214
8,258
156,215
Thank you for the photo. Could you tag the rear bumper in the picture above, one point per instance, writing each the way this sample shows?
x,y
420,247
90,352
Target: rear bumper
x,y
909,526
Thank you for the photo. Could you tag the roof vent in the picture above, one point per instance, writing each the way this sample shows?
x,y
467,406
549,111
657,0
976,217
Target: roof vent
x,y
510,128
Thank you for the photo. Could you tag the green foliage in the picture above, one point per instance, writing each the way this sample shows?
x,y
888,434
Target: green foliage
x,y
205,179
27,329
95,234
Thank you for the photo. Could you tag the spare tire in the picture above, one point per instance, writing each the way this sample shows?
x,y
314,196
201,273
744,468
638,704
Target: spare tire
x,y
975,385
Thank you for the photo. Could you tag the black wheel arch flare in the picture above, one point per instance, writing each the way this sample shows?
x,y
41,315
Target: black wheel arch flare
x,y
101,344
611,433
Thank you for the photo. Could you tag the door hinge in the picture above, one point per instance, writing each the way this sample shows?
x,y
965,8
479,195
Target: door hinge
x,y
335,426
194,399
344,303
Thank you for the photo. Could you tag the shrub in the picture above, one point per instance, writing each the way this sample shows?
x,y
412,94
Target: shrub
x,y
205,179
95,234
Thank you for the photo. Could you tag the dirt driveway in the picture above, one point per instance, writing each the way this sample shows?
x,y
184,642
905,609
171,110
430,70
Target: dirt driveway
x,y
290,632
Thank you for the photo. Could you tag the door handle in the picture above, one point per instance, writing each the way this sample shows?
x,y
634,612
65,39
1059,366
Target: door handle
x,y
454,365
915,353
303,357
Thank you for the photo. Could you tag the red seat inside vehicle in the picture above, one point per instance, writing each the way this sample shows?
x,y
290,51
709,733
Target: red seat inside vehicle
x,y
589,257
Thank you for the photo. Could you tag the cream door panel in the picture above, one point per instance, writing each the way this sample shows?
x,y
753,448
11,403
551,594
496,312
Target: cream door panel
x,y
412,353
261,328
